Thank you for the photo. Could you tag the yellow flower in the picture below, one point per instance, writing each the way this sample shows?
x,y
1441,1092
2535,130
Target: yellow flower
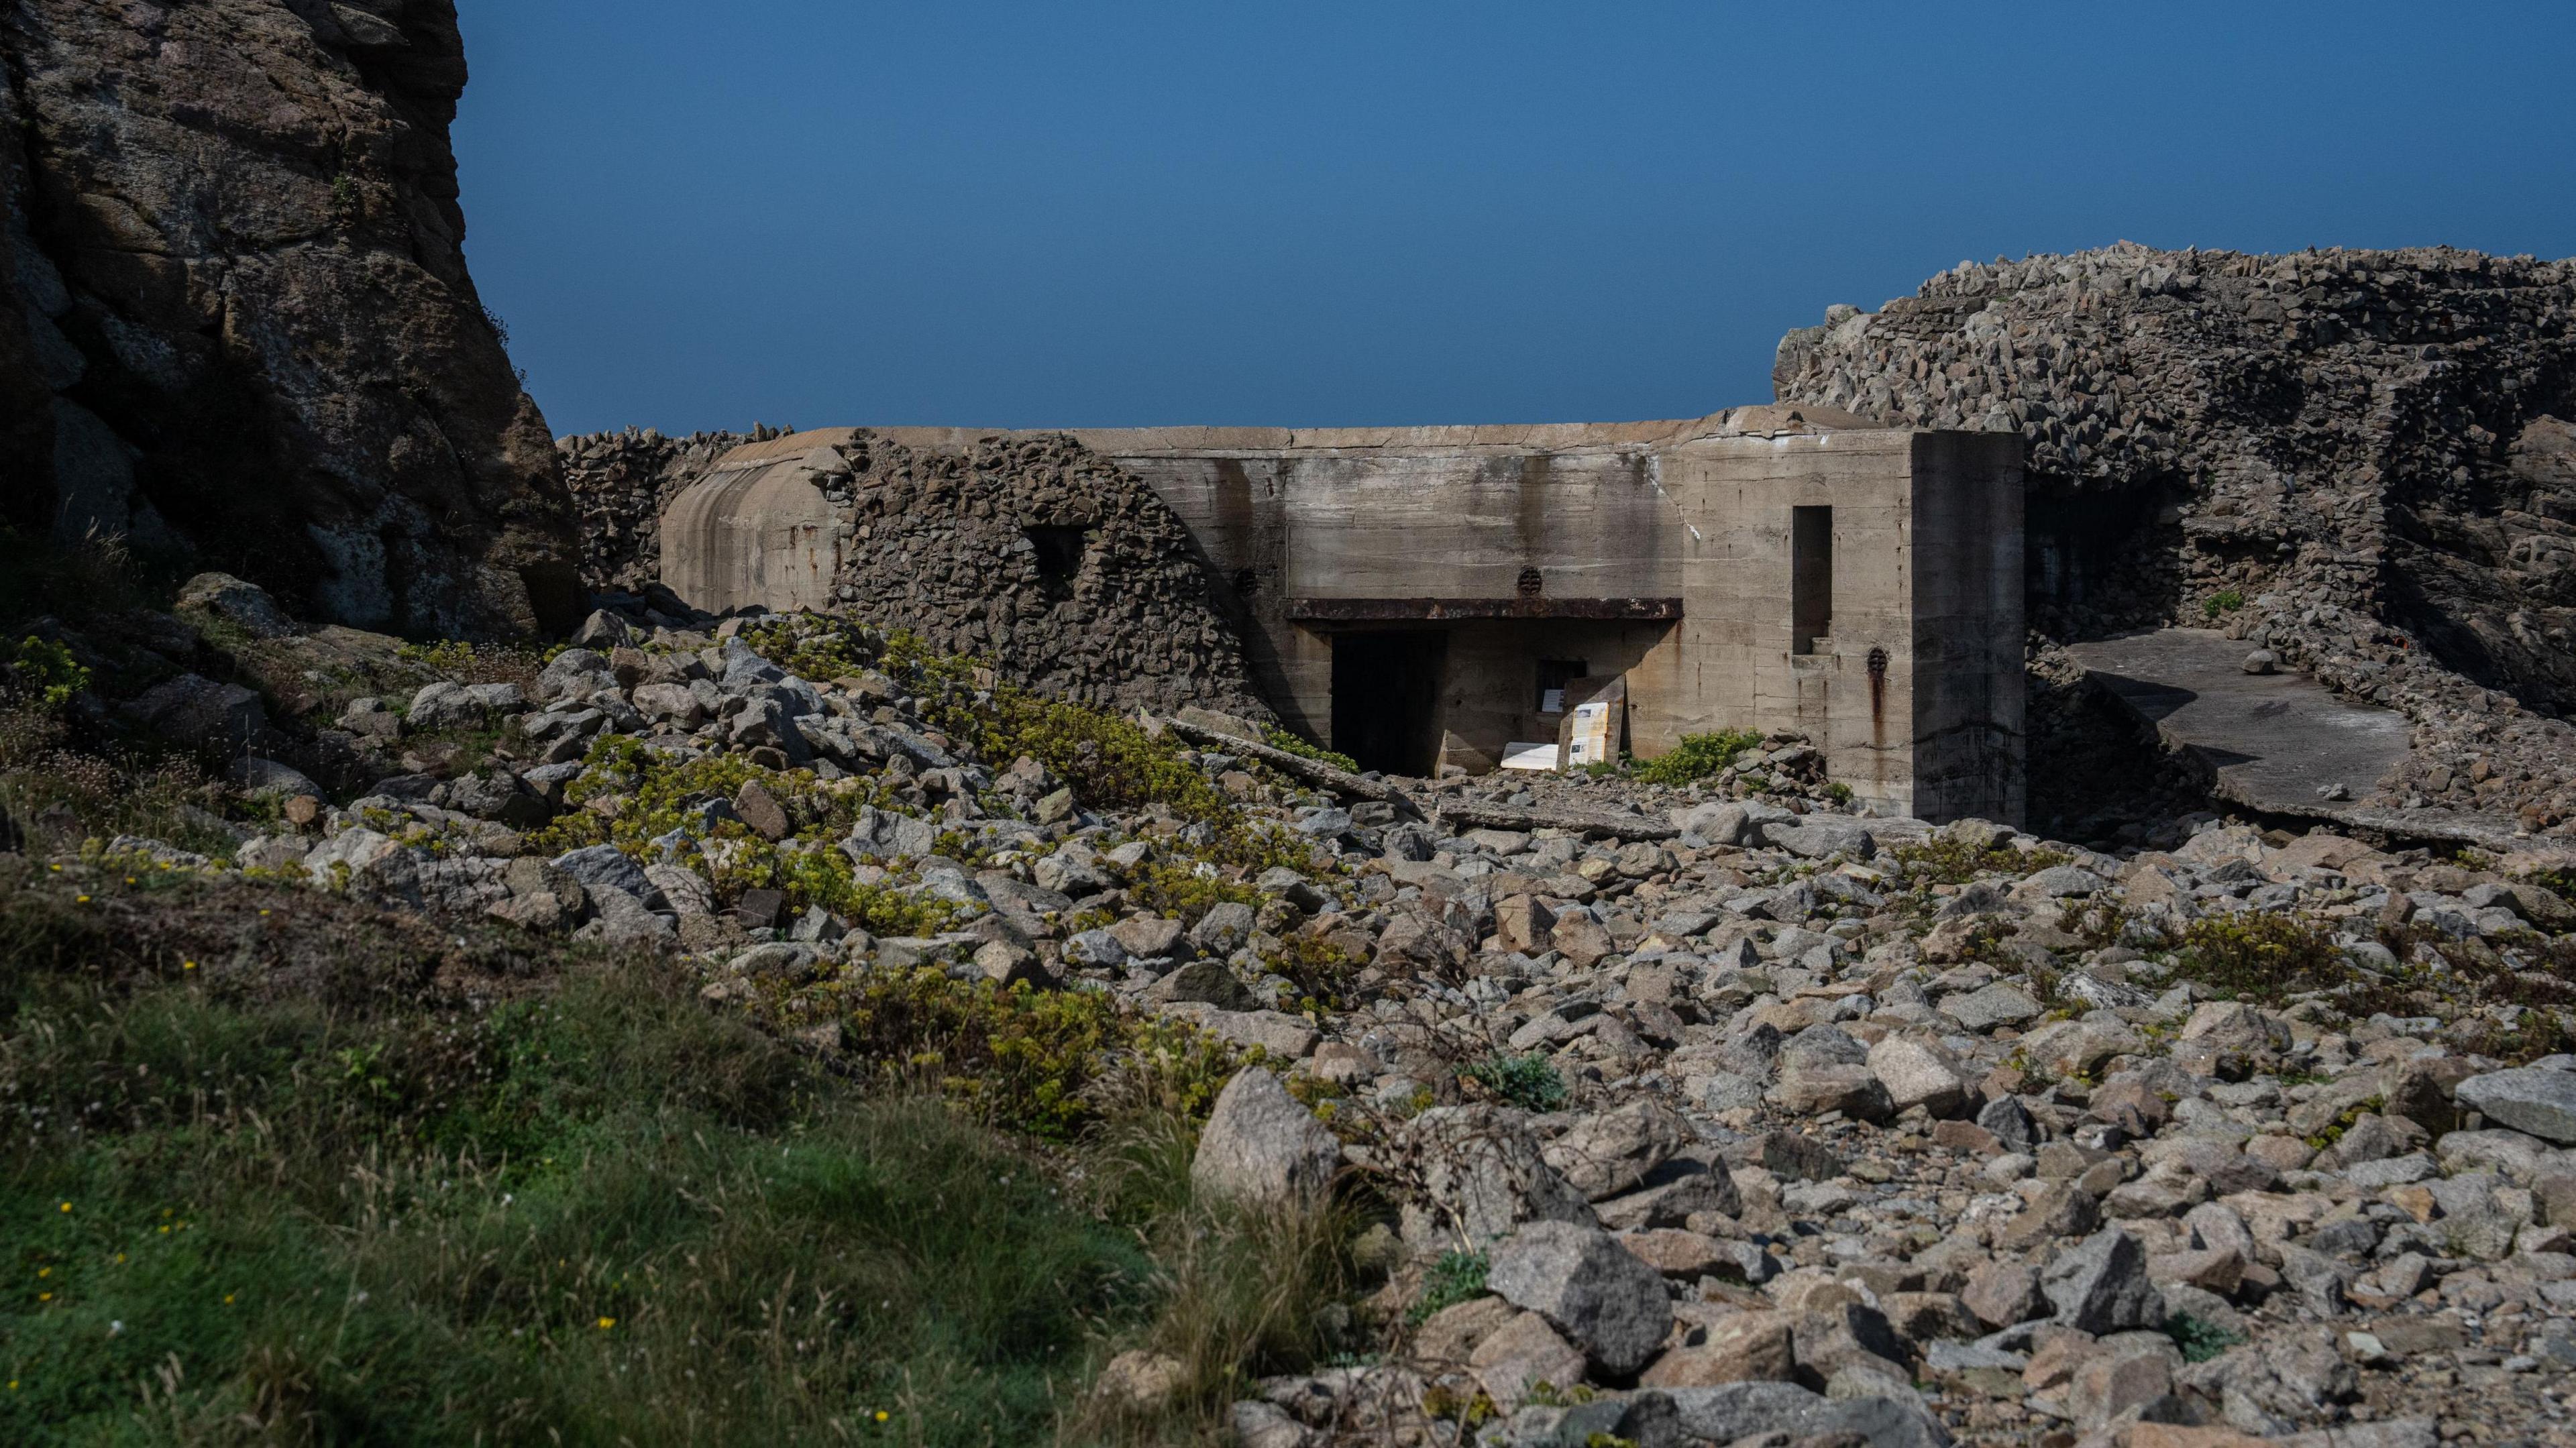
x,y
606,1323
228,1299
44,1271
882,1415
187,965
83,900
44,1297
67,1206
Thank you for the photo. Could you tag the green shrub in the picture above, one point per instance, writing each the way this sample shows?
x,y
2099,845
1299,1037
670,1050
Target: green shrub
x,y
1529,1082
2261,956
817,648
1281,739
1946,861
2226,600
43,669
1456,1277
1699,756
1026,1060
1174,888
2199,1338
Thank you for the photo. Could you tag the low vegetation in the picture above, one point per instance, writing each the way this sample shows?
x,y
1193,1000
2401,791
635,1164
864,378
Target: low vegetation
x,y
1278,738
1955,860
1528,1082
349,1177
1698,757
2261,956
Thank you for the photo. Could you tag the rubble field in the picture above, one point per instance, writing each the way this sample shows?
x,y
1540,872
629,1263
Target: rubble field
x,y
1644,1112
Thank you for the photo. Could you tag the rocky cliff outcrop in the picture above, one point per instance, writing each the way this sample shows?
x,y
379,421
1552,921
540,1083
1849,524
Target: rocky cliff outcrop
x,y
235,320
2359,459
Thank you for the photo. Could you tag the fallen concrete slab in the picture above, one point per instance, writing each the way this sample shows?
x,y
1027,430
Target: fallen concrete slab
x,y
2280,742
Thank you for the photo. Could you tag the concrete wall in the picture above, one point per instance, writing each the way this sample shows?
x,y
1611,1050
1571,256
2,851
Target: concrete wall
x,y
761,530
1969,744
1661,550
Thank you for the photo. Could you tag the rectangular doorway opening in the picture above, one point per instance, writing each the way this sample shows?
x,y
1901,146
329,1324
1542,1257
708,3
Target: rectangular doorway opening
x,y
1811,579
1386,696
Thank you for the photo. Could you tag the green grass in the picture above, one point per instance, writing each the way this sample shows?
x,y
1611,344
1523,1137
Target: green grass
x,y
1528,1082
598,1211
280,1166
1456,1277
2200,1340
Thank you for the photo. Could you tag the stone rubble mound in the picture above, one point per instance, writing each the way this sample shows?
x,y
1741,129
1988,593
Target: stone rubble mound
x,y
955,545
2363,462
1715,1119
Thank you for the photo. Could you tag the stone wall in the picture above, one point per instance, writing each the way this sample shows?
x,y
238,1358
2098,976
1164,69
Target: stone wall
x,y
2369,448
236,325
620,482
1027,549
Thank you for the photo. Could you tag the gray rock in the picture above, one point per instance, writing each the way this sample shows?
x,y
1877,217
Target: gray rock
x,y
1611,1153
2528,1099
1208,981
443,705
1734,1411
1606,1301
2100,1285
885,835
1224,929
245,606
1714,824
574,674
1814,838
600,867
1482,1175
1917,1072
2059,881
1095,949
196,711
1995,1005
1261,1148
624,920
1073,871
267,779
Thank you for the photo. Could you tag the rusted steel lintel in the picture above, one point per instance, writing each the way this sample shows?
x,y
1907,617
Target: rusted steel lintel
x,y
1376,610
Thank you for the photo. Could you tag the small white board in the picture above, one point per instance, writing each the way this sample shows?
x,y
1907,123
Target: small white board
x,y
1530,756
1590,742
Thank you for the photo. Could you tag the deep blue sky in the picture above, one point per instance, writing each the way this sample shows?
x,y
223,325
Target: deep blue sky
x,y
701,214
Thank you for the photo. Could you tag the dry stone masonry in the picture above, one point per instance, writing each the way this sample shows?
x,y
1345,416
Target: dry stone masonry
x,y
2360,461
621,482
1027,550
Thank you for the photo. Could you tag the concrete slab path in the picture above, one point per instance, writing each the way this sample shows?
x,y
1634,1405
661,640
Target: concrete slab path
x,y
2272,742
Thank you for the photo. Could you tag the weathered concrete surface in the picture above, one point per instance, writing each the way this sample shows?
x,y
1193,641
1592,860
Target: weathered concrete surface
x,y
762,528
2271,741
1441,576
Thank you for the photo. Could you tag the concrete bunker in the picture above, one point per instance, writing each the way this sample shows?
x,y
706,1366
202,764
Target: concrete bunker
x,y
1421,597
